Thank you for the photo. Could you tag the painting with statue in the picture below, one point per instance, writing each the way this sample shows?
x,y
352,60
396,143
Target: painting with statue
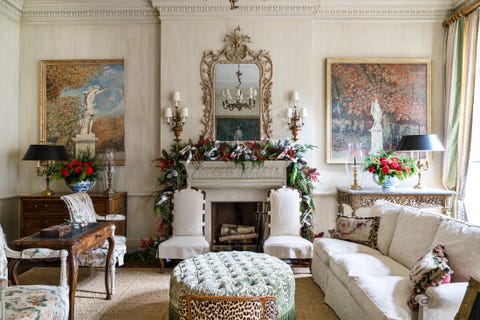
x,y
374,102
82,105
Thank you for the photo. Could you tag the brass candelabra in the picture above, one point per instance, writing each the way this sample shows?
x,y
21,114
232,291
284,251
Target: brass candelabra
x,y
295,116
176,119
421,166
355,185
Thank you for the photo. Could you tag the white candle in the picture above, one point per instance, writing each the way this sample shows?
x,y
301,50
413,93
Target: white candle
x,y
168,113
176,96
185,112
255,92
296,96
303,112
289,113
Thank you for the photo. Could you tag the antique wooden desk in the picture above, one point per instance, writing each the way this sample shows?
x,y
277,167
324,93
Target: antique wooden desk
x,y
418,198
38,212
75,242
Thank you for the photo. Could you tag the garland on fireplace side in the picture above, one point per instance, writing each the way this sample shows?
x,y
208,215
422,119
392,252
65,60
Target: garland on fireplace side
x,y
173,174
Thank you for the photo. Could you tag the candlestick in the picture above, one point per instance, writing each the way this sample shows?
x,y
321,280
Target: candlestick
x,y
355,185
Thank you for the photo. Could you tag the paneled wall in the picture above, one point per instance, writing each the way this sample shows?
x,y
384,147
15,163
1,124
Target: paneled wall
x,y
163,55
9,92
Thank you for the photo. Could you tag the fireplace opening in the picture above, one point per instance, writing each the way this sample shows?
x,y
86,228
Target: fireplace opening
x,y
235,225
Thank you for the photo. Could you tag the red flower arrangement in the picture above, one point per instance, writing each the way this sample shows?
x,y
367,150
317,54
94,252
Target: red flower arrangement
x,y
386,164
85,167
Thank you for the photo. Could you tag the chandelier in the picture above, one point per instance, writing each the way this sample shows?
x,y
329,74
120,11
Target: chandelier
x,y
230,103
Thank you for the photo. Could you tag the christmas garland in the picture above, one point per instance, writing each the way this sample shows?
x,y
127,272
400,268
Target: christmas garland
x,y
173,174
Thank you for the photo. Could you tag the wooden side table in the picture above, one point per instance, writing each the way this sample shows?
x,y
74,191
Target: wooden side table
x,y
418,198
38,212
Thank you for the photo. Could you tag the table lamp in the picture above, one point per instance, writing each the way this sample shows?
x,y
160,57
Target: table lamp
x,y
46,155
420,142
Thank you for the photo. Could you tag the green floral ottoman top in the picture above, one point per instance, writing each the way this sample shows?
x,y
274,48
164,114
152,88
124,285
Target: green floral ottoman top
x,y
234,273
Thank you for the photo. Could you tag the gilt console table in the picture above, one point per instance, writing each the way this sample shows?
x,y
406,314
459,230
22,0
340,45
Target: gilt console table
x,y
418,198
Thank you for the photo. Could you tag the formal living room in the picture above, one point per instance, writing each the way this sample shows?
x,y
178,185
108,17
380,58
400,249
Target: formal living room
x,y
239,159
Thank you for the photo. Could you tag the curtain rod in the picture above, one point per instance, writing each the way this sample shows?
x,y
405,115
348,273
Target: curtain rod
x,y
461,13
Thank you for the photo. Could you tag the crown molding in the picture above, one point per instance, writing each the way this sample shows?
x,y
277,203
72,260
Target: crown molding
x,y
12,9
317,9
105,11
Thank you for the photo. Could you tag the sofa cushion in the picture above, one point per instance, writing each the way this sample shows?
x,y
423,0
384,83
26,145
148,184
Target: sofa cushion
x,y
413,235
382,297
326,247
349,265
428,271
462,243
388,213
357,229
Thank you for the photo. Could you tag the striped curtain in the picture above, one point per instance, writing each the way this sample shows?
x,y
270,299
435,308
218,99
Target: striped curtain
x,y
460,65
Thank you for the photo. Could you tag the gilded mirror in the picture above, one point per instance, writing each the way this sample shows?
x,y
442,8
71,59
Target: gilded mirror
x,y
236,91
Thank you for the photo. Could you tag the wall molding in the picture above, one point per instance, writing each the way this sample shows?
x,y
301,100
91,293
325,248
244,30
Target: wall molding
x,y
12,9
316,9
48,11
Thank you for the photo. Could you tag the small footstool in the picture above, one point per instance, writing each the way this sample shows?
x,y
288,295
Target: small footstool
x,y
234,274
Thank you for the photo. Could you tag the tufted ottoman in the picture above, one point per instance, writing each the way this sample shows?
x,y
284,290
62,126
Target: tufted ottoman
x,y
234,273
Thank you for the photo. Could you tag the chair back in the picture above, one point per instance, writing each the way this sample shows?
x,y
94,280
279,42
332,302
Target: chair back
x,y
3,256
80,208
188,212
192,307
284,211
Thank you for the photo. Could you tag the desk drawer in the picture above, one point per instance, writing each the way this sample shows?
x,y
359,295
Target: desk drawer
x,y
44,207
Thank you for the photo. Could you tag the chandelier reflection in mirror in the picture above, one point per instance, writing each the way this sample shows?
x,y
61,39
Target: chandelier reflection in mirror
x,y
229,103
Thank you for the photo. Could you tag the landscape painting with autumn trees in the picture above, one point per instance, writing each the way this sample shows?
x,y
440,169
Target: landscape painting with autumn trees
x,y
68,88
401,87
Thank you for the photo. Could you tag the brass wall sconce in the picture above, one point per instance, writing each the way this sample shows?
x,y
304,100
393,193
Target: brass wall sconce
x,y
420,142
175,118
295,116
109,156
46,155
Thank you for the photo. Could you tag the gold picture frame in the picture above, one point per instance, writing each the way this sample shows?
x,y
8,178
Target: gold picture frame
x,y
470,307
397,89
82,105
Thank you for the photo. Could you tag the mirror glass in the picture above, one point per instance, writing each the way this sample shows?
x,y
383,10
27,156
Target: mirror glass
x,y
237,105
236,91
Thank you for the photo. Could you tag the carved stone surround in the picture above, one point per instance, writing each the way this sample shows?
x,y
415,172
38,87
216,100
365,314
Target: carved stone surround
x,y
222,182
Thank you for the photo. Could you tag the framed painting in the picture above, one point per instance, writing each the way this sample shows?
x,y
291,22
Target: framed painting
x,y
470,307
373,102
237,129
82,106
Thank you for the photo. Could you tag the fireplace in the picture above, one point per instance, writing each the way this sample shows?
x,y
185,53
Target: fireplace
x,y
235,225
225,183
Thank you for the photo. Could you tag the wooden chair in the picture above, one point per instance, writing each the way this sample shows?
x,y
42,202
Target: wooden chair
x,y
284,240
42,302
188,229
82,212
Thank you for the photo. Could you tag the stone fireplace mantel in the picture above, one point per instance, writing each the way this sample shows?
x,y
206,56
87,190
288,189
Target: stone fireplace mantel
x,y
220,175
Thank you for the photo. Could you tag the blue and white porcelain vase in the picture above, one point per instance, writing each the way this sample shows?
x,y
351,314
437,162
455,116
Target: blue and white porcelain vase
x,y
80,186
389,184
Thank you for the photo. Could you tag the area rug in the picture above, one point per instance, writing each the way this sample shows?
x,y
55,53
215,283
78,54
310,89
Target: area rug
x,y
142,293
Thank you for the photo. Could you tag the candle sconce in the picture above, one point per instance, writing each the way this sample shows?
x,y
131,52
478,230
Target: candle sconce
x,y
295,116
175,118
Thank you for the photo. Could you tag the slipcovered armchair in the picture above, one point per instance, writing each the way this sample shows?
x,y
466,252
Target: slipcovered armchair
x,y
188,227
82,212
284,240
40,302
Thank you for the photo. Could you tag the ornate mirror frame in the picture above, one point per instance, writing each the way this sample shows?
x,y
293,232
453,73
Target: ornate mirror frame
x,y
236,51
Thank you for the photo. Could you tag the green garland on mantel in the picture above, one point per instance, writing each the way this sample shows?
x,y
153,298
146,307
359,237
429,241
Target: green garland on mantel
x,y
173,174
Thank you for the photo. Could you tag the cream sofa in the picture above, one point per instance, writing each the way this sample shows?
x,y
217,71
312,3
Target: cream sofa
x,y
363,283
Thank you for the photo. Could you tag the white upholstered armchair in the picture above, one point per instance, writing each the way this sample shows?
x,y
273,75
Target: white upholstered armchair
x,y
41,302
82,212
188,229
284,240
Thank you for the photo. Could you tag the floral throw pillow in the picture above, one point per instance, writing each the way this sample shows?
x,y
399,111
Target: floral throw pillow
x,y
430,270
357,229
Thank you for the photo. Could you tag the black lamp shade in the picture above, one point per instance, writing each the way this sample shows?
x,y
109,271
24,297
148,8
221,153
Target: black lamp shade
x,y
420,142
45,152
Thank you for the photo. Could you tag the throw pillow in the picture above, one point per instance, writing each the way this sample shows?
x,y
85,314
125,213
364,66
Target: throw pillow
x,y
430,270
357,229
